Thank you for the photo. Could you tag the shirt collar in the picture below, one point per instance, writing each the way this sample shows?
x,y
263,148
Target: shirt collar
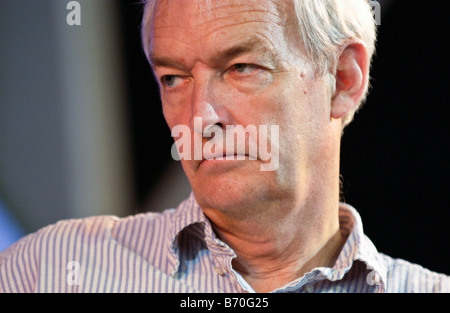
x,y
189,214
358,247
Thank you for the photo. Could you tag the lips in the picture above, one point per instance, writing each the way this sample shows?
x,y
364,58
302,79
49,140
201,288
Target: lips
x,y
225,152
225,156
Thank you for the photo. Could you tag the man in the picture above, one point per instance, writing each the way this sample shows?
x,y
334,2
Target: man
x,y
302,66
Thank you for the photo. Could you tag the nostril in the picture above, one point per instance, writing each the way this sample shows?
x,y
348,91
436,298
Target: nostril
x,y
211,130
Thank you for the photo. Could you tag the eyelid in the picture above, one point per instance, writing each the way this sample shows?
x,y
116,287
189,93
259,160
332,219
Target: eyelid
x,y
248,65
249,70
165,85
161,72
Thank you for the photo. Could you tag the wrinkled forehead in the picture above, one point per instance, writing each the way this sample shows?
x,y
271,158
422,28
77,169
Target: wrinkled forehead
x,y
200,13
206,25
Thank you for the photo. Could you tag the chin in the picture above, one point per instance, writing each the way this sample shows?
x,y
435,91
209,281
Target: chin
x,y
234,185
231,193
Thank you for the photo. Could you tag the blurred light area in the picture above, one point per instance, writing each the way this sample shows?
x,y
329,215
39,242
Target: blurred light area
x,y
63,132
10,230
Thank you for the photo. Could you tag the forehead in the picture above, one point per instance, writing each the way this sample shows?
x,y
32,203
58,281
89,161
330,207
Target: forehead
x,y
197,12
211,22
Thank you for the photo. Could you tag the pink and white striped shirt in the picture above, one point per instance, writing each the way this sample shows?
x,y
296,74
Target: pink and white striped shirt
x,y
177,251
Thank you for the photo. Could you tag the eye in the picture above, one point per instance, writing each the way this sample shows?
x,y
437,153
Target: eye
x,y
244,68
171,81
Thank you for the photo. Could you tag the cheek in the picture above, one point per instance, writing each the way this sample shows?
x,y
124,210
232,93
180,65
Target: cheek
x,y
174,115
167,117
303,114
310,109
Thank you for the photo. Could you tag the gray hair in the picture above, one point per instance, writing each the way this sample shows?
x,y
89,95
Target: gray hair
x,y
325,25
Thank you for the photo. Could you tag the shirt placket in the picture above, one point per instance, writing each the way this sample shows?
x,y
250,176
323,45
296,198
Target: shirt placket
x,y
222,256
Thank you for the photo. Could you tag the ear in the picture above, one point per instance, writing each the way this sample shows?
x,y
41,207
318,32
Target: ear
x,y
351,79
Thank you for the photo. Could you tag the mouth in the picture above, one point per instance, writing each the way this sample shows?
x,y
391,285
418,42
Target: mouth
x,y
228,157
223,157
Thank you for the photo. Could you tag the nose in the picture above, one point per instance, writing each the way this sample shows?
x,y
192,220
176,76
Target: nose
x,y
208,106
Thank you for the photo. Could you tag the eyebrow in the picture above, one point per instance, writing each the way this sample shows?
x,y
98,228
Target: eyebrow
x,y
164,61
253,45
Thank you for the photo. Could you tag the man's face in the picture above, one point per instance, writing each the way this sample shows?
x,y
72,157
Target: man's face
x,y
240,62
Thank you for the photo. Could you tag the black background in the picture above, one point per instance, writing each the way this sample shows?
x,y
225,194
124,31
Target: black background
x,y
394,155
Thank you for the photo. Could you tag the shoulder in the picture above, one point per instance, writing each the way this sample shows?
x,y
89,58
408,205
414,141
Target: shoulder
x,y
53,246
406,277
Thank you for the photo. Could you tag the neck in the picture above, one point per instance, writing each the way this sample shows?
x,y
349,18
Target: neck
x,y
275,249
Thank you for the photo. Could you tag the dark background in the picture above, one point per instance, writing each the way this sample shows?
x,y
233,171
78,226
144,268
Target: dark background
x,y
394,155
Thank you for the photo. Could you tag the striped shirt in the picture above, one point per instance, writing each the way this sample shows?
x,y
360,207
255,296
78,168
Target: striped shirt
x,y
177,251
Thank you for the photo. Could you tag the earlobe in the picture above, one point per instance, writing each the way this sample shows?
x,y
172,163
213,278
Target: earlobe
x,y
351,79
340,106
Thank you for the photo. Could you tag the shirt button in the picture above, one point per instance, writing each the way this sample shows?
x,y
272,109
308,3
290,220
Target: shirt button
x,y
309,288
219,271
